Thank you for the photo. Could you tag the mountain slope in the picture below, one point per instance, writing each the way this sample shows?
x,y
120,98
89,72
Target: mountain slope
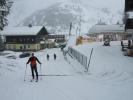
x,y
57,18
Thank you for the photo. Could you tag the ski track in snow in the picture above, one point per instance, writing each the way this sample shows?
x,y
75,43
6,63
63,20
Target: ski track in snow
x,y
104,81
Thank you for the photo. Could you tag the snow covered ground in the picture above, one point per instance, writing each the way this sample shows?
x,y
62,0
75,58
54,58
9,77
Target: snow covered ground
x,y
110,76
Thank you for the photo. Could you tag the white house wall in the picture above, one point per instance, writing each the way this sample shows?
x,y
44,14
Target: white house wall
x,y
100,37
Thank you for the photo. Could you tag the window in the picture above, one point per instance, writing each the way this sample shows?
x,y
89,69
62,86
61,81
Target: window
x,y
28,39
28,46
129,24
20,40
24,39
14,40
24,47
32,39
21,47
37,46
14,46
128,5
9,46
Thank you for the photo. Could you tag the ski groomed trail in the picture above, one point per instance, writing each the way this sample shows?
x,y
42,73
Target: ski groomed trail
x,y
67,81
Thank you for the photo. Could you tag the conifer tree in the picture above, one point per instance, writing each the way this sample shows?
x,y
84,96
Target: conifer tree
x,y
4,11
5,6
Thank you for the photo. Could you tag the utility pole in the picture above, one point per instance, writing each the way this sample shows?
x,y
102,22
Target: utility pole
x,y
70,29
76,31
79,18
80,25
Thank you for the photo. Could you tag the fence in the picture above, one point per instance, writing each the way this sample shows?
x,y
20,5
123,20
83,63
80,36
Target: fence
x,y
82,59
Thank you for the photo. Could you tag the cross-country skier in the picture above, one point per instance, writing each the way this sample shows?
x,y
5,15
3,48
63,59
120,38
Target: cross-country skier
x,y
32,60
54,56
47,56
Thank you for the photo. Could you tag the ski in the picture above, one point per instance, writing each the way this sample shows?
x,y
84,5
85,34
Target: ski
x,y
33,80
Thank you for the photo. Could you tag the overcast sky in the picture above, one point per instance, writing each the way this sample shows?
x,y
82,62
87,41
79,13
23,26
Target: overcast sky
x,y
23,8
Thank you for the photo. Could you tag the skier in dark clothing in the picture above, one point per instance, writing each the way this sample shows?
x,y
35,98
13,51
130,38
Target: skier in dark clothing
x,y
32,60
54,56
47,56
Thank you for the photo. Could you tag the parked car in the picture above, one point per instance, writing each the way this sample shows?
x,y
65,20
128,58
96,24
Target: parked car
x,y
106,43
23,55
12,57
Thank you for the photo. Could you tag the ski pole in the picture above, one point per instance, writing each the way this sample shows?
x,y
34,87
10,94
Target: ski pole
x,y
25,72
40,72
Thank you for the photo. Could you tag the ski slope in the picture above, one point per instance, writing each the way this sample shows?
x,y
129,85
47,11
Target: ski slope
x,y
110,76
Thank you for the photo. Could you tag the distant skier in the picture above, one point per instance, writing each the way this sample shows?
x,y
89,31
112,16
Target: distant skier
x,y
32,60
47,56
54,56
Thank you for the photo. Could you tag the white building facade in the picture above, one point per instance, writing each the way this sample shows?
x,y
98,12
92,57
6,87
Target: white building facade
x,y
112,32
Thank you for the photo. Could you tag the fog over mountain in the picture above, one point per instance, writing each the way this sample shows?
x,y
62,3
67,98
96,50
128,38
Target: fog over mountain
x,y
57,16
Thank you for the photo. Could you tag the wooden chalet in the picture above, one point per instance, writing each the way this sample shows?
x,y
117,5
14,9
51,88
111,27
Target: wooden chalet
x,y
27,38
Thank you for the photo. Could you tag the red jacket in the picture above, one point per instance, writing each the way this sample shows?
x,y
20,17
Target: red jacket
x,y
33,60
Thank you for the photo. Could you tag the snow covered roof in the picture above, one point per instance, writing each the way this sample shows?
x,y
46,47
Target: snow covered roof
x,y
129,30
25,30
56,34
3,9
85,36
106,28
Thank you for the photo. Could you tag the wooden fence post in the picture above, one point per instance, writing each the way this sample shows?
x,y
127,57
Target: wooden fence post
x,y
90,59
